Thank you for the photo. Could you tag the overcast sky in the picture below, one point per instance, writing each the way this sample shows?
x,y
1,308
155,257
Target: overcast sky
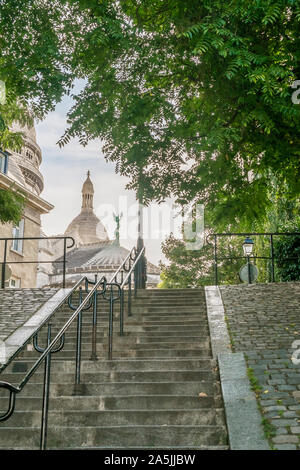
x,y
64,172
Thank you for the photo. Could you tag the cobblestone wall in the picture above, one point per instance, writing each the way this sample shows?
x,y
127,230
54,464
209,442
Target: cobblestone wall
x,y
264,322
17,305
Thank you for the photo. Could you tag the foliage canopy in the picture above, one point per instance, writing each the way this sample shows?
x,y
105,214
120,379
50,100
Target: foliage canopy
x,y
196,93
190,98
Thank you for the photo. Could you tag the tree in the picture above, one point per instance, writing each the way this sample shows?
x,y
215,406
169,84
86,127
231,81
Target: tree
x,y
287,250
187,268
11,206
36,41
196,93
195,268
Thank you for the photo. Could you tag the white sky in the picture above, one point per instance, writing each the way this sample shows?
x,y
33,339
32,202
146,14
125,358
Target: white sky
x,y
64,172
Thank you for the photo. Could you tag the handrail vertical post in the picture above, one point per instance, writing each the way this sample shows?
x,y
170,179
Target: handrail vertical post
x,y
129,296
272,259
64,263
121,312
78,343
4,265
136,276
46,388
111,322
94,356
216,259
249,270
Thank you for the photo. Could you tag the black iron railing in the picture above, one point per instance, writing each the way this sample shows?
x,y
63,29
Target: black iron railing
x,y
111,291
6,262
272,258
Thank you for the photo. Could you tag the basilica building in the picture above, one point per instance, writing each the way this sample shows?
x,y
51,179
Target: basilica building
x,y
93,252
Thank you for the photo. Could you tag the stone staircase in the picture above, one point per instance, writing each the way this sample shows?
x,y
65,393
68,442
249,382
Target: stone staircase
x,y
161,391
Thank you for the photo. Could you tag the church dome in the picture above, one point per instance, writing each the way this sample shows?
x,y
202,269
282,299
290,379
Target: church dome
x,y
86,228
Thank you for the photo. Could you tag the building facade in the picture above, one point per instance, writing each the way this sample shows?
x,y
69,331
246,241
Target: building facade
x,y
19,171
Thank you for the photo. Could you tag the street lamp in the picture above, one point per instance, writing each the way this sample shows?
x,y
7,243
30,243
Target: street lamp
x,y
248,246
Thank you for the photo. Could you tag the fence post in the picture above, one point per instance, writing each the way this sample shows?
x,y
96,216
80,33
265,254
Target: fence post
x,y
4,265
216,260
272,260
64,263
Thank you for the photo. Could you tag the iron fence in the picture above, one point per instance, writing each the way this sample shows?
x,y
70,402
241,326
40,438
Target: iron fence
x,y
5,262
272,257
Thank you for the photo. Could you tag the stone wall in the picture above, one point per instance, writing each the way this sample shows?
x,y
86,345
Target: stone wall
x,y
264,322
17,305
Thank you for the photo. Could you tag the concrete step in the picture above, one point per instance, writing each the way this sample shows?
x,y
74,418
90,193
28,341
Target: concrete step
x,y
135,320
114,376
185,343
147,350
112,436
171,337
137,336
170,310
175,318
169,321
179,328
120,388
160,391
120,402
163,353
182,417
62,366
150,331
171,292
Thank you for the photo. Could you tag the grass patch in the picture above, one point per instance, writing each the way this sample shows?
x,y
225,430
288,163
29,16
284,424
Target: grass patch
x,y
254,382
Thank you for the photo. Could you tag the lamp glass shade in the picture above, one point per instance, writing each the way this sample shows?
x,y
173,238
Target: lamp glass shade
x,y
248,246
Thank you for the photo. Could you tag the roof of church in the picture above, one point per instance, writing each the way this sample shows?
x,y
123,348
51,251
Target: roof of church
x,y
93,250
106,254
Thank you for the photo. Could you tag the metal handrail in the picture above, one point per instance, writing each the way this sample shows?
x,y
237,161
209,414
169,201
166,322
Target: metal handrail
x,y
120,296
45,355
3,366
60,336
132,268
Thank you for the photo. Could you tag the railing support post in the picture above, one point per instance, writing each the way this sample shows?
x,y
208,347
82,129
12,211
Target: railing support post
x,y
249,270
216,259
94,356
121,312
46,388
4,265
272,259
129,297
78,343
111,324
64,263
